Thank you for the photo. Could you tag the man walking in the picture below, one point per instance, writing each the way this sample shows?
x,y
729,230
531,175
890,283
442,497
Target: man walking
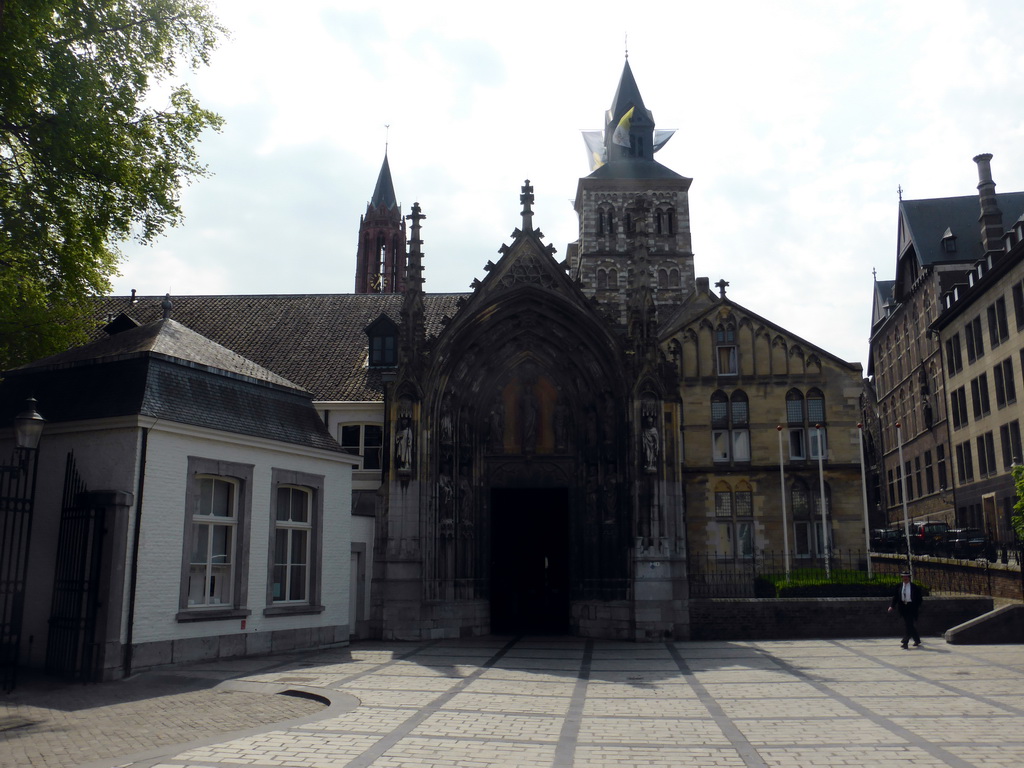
x,y
907,601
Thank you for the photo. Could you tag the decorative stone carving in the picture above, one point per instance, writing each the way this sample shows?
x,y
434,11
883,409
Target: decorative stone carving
x,y
651,438
404,438
496,426
447,424
560,425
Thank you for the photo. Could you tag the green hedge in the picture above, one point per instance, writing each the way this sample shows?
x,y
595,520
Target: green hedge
x,y
812,582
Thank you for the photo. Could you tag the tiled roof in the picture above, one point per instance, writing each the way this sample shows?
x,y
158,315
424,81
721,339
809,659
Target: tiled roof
x,y
316,341
167,338
929,219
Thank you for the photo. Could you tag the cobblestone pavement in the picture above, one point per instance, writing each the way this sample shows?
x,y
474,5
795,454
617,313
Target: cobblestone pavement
x,y
567,702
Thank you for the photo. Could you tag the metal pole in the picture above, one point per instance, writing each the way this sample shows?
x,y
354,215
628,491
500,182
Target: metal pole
x,y
903,493
824,516
864,497
782,491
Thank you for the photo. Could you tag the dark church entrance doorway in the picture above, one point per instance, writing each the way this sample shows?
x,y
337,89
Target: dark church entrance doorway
x,y
529,560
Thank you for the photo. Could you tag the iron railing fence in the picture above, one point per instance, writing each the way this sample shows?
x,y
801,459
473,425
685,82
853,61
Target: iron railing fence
x,y
713,574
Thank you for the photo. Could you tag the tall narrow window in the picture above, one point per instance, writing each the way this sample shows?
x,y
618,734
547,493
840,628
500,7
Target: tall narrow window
x,y
214,535
292,536
217,521
954,359
795,419
296,550
979,396
998,330
975,342
725,349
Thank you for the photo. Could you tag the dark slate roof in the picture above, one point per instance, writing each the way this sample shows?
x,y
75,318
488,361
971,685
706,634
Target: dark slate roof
x,y
384,192
929,219
168,372
151,386
634,168
627,95
317,341
168,339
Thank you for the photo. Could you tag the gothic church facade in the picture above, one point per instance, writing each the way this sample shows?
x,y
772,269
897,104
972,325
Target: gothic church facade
x,y
581,438
576,443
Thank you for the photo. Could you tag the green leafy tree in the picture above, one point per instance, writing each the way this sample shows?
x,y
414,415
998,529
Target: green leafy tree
x,y
1017,518
86,162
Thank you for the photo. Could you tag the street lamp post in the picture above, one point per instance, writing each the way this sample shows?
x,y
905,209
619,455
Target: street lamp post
x,y
903,494
825,537
17,501
864,498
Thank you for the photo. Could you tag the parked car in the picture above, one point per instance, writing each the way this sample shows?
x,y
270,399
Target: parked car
x,y
927,537
887,540
968,543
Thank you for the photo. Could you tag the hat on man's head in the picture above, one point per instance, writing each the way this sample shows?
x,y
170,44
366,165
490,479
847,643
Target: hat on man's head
x,y
904,573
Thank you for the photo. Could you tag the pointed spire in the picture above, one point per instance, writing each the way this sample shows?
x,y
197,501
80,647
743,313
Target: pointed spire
x,y
527,200
414,267
629,125
384,192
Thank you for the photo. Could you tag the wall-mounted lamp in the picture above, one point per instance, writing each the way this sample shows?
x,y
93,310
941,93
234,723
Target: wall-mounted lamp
x,y
28,428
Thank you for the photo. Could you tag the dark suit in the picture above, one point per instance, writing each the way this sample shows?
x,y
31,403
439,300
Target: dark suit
x,y
908,611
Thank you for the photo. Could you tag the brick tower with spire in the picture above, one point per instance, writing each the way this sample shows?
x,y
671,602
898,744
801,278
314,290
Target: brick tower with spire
x,y
633,212
381,258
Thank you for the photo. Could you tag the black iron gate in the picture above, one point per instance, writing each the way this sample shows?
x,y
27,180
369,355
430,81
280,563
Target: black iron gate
x,y
71,648
17,494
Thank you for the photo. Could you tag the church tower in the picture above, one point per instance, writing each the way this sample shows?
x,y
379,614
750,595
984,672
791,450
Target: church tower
x,y
380,260
634,213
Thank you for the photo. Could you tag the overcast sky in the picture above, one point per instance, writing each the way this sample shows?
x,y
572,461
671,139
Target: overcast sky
x,y
797,122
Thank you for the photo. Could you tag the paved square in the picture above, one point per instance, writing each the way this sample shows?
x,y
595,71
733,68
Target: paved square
x,y
575,703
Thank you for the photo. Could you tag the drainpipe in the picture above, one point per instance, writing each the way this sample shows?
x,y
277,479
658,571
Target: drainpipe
x,y
136,537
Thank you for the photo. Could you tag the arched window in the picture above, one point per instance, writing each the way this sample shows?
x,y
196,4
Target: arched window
x,y
602,279
725,349
613,278
673,278
795,420
663,278
806,420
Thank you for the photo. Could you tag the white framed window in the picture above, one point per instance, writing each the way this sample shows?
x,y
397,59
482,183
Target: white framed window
x,y
295,557
720,439
818,440
216,542
740,445
213,550
293,535
366,440
727,360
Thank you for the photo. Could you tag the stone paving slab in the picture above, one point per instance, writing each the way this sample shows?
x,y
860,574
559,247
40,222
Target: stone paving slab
x,y
563,703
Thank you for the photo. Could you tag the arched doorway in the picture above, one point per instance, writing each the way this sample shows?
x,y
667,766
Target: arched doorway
x,y
530,560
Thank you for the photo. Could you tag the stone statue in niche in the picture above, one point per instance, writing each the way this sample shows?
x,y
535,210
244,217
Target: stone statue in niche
x,y
561,425
447,424
404,439
444,490
465,493
529,414
651,441
496,426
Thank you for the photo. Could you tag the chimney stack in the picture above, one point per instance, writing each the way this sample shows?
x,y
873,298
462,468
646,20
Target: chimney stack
x,y
991,218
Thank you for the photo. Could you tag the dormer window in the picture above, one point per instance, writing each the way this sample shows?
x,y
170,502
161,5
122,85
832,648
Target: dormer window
x,y
948,241
382,334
